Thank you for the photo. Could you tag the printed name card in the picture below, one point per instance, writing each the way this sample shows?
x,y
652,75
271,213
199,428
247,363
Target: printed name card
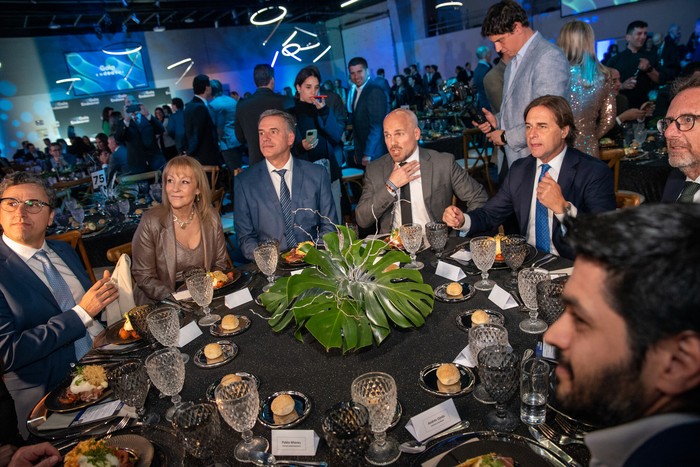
x,y
238,298
98,412
182,295
188,333
433,421
296,271
501,298
462,255
294,442
449,271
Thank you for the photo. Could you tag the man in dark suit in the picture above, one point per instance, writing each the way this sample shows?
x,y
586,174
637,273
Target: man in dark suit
x,y
139,131
431,177
200,130
176,124
265,206
47,302
368,104
250,109
118,162
629,340
483,53
682,132
540,189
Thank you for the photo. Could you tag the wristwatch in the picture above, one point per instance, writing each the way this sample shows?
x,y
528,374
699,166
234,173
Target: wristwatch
x,y
503,137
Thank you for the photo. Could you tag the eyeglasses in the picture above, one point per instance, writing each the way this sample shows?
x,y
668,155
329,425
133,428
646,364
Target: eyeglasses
x,y
33,206
684,122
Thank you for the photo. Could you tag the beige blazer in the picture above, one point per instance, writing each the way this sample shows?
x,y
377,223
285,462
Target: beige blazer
x,y
154,259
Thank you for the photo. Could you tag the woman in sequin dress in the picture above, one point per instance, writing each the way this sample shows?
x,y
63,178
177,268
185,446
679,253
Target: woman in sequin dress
x,y
591,88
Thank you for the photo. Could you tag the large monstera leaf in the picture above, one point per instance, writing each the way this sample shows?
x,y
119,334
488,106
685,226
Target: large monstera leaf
x,y
349,299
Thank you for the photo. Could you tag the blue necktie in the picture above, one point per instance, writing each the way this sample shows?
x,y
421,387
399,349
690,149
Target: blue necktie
x,y
542,238
64,297
286,203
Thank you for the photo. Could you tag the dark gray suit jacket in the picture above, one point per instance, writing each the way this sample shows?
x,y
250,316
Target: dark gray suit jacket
x,y
367,120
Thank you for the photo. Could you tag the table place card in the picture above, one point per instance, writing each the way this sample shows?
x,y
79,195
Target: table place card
x,y
563,272
295,272
238,298
462,255
465,358
188,333
434,420
294,442
501,298
182,295
545,350
98,412
449,271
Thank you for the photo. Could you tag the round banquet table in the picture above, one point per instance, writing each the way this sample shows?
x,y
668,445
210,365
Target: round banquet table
x,y
283,363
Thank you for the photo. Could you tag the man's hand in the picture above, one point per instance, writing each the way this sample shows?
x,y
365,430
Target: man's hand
x,y
549,194
309,146
102,293
402,175
644,65
489,125
631,115
495,137
629,83
6,452
453,217
37,455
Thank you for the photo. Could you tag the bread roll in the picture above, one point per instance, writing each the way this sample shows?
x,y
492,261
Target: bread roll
x,y
480,317
213,352
448,374
282,405
449,388
230,378
285,419
453,289
229,322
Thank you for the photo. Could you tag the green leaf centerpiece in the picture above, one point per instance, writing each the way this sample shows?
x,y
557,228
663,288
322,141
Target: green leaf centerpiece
x,y
350,297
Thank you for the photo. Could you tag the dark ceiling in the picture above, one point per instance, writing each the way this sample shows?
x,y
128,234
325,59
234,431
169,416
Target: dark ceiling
x,y
29,18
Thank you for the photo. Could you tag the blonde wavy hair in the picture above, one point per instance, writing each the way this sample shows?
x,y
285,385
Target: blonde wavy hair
x,y
577,40
202,203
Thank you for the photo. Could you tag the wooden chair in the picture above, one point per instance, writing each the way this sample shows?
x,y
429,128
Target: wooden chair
x,y
58,186
476,154
113,254
154,174
217,199
75,239
628,199
212,172
613,158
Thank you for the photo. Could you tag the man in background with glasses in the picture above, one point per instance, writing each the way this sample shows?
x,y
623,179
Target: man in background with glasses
x,y
47,303
682,131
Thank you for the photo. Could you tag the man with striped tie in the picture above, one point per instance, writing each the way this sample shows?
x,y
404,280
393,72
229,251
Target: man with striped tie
x,y
541,189
47,302
281,198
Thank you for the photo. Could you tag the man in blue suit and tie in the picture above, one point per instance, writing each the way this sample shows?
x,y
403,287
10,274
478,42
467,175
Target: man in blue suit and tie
x,y
557,180
265,207
47,302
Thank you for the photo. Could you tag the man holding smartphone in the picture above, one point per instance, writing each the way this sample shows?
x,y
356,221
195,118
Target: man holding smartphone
x,y
139,132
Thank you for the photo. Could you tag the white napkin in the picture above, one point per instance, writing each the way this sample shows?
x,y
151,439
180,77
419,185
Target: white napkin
x,y
122,278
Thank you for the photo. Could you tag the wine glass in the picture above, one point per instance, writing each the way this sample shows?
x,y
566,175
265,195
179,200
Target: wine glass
x,y
412,238
78,214
436,233
70,203
123,206
130,384
377,392
514,249
499,372
201,288
164,324
167,372
238,404
199,426
527,286
266,257
483,255
156,192
549,302
480,337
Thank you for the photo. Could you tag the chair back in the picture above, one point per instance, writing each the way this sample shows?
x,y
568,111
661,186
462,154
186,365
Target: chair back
x,y
212,172
613,158
75,239
113,254
475,151
58,186
152,175
217,199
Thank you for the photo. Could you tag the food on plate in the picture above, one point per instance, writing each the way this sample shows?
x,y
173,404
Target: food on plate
x,y
391,267
449,388
229,322
102,221
213,353
488,460
480,317
230,378
394,240
219,279
94,453
91,226
448,374
282,408
295,255
454,290
607,142
138,212
88,384
127,330
499,253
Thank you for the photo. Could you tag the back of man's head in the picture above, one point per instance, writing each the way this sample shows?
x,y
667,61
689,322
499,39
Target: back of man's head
x,y
689,79
216,88
263,74
200,83
501,18
178,103
638,24
358,61
482,52
380,72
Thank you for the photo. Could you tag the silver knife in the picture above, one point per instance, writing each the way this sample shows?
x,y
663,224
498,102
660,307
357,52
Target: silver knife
x,y
544,441
452,251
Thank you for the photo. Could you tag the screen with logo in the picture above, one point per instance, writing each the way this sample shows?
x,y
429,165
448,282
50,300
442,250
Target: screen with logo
x,y
573,7
99,72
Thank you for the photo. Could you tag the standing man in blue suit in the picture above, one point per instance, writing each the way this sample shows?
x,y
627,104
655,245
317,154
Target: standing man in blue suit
x,y
537,68
200,130
541,189
139,131
47,303
265,207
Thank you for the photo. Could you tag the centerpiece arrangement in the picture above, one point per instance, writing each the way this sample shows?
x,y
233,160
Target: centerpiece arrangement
x,y
352,295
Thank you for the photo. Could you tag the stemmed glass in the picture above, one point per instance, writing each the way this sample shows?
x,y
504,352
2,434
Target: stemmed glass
x,y
167,372
164,324
130,384
156,192
483,255
202,290
377,392
412,237
78,214
266,257
199,426
499,371
527,286
436,233
123,206
480,337
238,404
514,249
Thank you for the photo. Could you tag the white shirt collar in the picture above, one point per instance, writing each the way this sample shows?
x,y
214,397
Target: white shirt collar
x,y
271,168
23,251
203,99
413,156
525,46
554,164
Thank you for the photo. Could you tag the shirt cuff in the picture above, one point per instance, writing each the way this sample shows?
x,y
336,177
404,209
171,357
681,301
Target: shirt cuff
x,y
467,224
573,212
92,326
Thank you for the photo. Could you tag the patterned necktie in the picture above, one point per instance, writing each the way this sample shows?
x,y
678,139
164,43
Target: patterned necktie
x,y
405,201
542,219
64,297
286,203
688,193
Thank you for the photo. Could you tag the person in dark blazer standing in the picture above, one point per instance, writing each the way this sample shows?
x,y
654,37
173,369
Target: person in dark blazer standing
x,y
200,130
139,131
483,53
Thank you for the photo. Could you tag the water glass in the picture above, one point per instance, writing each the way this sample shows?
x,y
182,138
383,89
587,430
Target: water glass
x,y
199,428
78,214
527,286
412,238
498,370
483,255
346,430
201,288
156,192
266,257
436,233
130,384
549,302
123,206
514,249
167,372
164,324
534,388
480,337
138,316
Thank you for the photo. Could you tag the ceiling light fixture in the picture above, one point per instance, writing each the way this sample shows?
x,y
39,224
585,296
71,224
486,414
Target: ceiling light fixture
x,y
189,20
176,64
349,2
189,67
322,54
53,24
122,48
72,82
158,27
306,32
274,59
280,17
446,4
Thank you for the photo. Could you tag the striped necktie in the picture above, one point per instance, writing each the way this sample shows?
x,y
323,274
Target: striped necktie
x,y
286,203
542,238
688,193
64,298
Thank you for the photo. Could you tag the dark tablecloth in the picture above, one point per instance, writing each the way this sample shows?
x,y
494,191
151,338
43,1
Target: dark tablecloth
x,y
452,145
97,246
646,177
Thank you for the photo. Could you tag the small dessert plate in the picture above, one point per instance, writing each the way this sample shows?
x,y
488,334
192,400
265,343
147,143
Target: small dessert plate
x,y
243,325
464,319
230,350
429,381
302,406
212,387
468,292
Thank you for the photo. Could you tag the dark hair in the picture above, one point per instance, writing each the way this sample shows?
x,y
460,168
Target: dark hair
x,y
105,113
686,82
305,73
636,24
380,71
287,117
200,83
216,88
562,113
101,137
24,178
263,74
501,18
177,102
358,61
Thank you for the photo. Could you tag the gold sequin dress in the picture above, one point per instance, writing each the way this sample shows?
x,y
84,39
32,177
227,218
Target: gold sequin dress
x,y
594,109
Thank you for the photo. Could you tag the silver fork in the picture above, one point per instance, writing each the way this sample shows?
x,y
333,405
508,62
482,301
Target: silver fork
x,y
63,445
549,432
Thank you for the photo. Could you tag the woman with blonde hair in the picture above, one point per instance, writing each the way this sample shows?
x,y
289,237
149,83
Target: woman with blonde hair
x,y
591,90
183,232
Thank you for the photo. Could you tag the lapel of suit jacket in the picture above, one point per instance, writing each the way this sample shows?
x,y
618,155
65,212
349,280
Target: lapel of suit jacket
x,y
426,177
167,240
567,174
12,265
268,195
297,183
523,191
523,61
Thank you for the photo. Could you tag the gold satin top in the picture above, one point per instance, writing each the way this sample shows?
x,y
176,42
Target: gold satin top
x,y
594,110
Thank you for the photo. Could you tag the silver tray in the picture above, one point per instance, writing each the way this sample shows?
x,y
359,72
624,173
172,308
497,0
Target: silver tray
x,y
429,381
230,350
302,406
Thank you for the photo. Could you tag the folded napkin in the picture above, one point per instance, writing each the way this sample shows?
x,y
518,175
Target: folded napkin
x,y
122,278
